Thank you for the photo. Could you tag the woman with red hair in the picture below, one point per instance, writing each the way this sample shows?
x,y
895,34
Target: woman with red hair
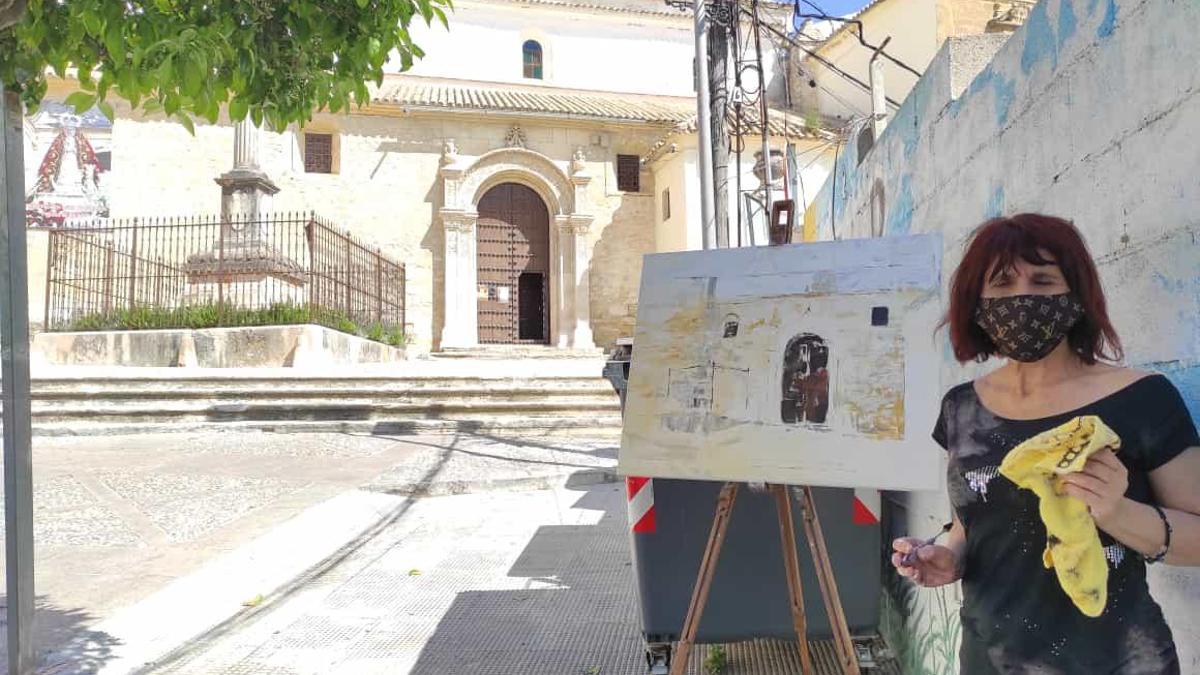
x,y
1027,291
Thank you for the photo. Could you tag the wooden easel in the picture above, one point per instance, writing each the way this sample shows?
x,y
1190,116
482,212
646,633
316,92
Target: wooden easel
x,y
791,564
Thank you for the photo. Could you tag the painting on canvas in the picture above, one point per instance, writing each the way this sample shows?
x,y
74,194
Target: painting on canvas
x,y
810,364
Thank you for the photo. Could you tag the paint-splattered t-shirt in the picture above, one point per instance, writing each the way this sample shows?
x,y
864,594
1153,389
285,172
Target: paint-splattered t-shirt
x,y
1016,619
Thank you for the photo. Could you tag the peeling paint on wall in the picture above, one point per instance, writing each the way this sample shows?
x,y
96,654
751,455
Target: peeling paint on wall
x,y
1004,89
995,205
1109,23
900,215
1067,23
1040,43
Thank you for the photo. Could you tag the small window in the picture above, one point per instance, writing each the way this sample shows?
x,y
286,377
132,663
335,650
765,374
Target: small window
x,y
666,204
318,153
629,173
531,54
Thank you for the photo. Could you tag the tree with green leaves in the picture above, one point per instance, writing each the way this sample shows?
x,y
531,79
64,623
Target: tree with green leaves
x,y
276,61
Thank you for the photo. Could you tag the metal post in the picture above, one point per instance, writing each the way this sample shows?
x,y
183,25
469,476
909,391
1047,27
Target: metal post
x,y
133,266
346,277
762,115
15,387
703,126
379,286
721,19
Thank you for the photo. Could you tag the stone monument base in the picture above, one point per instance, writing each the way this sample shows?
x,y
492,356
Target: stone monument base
x,y
298,346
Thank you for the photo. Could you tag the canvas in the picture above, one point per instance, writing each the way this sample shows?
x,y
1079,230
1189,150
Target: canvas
x,y
809,364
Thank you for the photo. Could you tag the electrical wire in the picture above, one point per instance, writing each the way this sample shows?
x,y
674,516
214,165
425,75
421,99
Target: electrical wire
x,y
817,57
831,93
862,38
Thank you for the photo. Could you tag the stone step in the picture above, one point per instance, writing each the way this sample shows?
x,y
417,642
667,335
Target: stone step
x,y
603,426
497,352
334,390
350,409
517,396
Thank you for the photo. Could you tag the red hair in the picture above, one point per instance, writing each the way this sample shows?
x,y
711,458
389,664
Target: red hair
x,y
995,246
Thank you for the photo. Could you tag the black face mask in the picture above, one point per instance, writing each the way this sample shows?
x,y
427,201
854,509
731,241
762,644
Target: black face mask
x,y
1027,328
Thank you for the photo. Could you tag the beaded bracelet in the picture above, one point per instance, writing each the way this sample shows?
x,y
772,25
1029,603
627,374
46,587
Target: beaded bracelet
x,y
1162,554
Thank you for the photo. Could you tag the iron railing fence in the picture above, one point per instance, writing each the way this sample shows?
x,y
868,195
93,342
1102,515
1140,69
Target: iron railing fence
x,y
203,271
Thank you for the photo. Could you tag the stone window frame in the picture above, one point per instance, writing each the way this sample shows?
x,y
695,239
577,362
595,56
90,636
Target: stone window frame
x,y
335,147
628,169
533,70
666,204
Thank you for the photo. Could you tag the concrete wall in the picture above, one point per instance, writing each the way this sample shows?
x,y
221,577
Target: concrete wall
x,y
600,50
1090,112
300,346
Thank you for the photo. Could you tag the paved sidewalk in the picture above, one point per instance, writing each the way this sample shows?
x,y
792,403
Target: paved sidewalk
x,y
121,519
529,583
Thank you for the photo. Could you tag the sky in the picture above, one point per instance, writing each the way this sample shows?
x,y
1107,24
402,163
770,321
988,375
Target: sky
x,y
836,7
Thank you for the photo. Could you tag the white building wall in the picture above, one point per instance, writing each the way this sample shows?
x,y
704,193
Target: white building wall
x,y
912,25
679,172
1090,112
594,50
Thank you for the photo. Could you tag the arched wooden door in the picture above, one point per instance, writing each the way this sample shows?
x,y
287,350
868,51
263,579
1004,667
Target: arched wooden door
x,y
513,233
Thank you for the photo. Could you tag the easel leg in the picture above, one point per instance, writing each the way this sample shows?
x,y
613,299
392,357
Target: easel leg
x,y
708,567
791,566
829,590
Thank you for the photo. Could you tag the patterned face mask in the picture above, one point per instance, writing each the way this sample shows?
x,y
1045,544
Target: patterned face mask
x,y
1026,328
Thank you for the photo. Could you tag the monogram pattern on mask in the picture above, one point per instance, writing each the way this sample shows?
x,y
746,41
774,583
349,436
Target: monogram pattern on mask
x,y
1028,327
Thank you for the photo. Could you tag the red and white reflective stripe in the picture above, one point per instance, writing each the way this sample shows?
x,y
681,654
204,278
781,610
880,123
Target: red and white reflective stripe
x,y
866,506
641,504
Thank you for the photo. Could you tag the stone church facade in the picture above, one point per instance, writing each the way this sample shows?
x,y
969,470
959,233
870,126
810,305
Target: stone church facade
x,y
506,171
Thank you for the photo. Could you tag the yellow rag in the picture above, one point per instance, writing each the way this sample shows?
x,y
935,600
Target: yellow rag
x,y
1073,544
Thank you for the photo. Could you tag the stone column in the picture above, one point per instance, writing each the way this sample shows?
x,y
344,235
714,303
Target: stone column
x,y
246,190
564,278
245,145
461,324
581,336
579,254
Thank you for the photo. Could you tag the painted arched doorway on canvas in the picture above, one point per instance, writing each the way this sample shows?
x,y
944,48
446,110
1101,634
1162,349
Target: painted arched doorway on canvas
x,y
513,244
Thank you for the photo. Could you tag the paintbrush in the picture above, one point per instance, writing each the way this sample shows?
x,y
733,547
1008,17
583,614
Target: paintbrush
x,y
911,557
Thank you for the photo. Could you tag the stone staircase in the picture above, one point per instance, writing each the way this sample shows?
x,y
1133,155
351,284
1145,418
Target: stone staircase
x,y
480,397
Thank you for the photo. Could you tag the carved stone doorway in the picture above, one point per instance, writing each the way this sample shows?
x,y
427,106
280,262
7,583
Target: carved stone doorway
x,y
513,233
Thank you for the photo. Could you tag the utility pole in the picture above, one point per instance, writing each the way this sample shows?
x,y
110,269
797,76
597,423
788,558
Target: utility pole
x,y
763,120
708,223
724,19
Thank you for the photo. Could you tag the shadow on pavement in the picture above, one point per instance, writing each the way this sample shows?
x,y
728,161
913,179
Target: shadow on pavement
x,y
185,653
453,442
578,614
63,632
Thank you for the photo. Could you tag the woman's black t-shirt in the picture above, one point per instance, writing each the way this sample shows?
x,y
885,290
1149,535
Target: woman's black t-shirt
x,y
1016,619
